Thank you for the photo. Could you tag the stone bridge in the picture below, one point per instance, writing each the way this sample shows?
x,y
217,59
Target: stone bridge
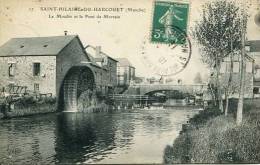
x,y
144,89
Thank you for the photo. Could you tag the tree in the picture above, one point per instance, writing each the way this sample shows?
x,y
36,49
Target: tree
x,y
242,75
198,79
218,34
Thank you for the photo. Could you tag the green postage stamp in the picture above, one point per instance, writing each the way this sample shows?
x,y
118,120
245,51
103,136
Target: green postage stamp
x,y
170,21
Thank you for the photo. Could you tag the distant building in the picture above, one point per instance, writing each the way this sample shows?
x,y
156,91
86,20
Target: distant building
x,y
235,84
108,76
253,48
139,80
252,76
125,72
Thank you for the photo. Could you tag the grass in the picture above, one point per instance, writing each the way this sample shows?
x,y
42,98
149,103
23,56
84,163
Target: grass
x,y
214,138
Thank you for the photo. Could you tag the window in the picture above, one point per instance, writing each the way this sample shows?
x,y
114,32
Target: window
x,y
256,90
257,73
223,67
11,68
36,69
249,67
228,65
36,88
236,67
247,48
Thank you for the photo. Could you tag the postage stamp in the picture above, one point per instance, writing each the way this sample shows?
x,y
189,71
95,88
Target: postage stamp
x,y
168,18
168,49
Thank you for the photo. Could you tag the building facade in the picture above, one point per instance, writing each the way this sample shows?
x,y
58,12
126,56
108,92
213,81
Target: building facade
x,y
253,48
125,72
235,83
107,74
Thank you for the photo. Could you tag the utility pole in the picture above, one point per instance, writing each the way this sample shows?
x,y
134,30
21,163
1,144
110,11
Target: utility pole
x,y
242,76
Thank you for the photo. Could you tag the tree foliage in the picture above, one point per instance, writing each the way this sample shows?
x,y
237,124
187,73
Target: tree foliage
x,y
218,35
220,25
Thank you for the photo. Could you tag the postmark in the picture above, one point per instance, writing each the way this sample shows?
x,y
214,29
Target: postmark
x,y
167,50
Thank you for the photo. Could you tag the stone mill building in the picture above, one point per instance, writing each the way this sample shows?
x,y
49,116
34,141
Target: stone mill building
x,y
46,65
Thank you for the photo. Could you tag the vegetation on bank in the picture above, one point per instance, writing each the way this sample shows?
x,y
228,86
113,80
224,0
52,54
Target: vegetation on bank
x,y
26,105
30,100
26,101
211,137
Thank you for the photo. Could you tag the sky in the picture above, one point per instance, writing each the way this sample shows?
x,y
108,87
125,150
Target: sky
x,y
118,37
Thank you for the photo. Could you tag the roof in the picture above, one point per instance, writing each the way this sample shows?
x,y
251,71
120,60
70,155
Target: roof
x,y
92,59
35,45
237,58
254,45
108,56
124,62
94,63
91,51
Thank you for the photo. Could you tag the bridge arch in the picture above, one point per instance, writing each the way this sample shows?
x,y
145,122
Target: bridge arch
x,y
175,91
78,86
191,89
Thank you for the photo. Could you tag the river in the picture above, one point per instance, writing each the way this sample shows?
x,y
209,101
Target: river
x,y
129,136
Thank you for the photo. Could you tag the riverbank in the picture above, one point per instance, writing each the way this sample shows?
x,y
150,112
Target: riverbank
x,y
26,106
211,137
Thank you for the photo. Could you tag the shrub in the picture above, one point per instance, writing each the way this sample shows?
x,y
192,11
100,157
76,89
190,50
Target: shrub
x,y
203,116
219,140
180,149
208,140
50,100
26,100
249,105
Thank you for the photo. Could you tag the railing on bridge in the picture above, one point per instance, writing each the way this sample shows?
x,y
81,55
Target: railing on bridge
x,y
168,84
127,101
129,97
143,89
130,100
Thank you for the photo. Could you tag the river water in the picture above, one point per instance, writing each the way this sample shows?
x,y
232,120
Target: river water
x,y
129,136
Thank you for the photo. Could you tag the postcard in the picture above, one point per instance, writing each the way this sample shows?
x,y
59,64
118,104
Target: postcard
x,y
129,82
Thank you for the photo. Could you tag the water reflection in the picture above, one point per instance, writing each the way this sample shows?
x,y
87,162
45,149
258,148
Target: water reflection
x,y
26,141
132,136
81,137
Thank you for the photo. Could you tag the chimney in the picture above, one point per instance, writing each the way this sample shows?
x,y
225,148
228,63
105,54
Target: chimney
x,y
98,51
65,32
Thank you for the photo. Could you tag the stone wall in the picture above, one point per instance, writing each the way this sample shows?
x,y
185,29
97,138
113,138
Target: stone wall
x,y
72,55
111,78
23,72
